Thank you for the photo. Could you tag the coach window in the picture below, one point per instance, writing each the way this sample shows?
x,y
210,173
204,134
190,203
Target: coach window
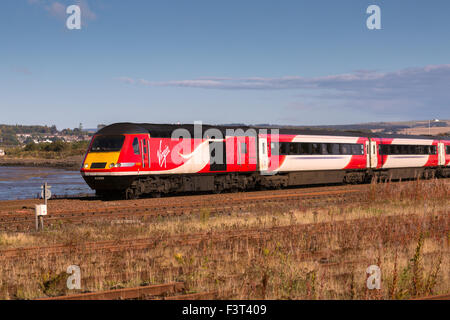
x,y
344,148
292,148
136,146
324,148
284,148
432,149
356,149
305,148
333,148
243,148
316,148
447,150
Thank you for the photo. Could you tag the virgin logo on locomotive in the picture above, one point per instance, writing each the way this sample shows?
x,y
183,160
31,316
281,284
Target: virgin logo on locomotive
x,y
162,154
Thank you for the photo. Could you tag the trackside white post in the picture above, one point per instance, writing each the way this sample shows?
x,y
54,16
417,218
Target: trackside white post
x,y
41,209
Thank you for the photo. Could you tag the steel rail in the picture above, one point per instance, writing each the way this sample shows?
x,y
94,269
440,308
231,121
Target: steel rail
x,y
126,293
440,221
10,222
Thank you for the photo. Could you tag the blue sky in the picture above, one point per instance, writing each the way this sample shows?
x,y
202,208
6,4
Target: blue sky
x,y
285,62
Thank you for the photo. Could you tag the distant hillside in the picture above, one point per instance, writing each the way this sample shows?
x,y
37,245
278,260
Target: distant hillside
x,y
420,127
13,135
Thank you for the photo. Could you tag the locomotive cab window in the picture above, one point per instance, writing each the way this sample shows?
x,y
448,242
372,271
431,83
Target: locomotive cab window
x,y
112,143
136,146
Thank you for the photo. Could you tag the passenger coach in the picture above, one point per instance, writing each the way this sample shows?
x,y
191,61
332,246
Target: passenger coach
x,y
134,159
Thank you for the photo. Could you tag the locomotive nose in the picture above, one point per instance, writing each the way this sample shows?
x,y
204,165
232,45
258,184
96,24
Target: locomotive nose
x,y
104,152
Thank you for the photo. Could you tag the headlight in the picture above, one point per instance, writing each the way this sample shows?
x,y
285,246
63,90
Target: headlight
x,y
125,164
86,165
111,165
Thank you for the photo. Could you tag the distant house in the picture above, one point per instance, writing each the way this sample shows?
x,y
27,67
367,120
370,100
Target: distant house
x,y
2,152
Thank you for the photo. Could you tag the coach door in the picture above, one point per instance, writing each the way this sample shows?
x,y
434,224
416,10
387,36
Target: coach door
x,y
367,154
373,154
217,155
263,156
441,154
144,145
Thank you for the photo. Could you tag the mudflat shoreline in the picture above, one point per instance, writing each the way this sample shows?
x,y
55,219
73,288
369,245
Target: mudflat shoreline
x,y
71,163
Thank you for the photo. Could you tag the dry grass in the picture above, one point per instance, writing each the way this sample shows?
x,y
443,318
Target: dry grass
x,y
322,253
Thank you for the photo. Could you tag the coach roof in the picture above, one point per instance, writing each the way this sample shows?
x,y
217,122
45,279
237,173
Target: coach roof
x,y
166,130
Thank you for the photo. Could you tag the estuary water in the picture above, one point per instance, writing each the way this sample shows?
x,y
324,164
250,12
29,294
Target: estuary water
x,y
25,183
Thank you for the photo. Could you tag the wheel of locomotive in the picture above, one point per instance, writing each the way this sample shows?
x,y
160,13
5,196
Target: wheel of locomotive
x,y
130,194
109,195
100,194
261,188
218,188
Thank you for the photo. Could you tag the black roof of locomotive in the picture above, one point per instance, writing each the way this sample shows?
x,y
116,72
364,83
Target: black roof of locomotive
x,y
165,130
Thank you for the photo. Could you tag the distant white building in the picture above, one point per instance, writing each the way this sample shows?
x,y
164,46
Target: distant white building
x,y
2,152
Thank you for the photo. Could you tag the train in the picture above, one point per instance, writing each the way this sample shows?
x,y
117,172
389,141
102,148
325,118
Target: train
x,y
135,159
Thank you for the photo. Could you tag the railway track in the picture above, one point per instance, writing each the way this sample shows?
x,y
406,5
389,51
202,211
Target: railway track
x,y
126,293
15,216
25,221
436,297
169,291
404,223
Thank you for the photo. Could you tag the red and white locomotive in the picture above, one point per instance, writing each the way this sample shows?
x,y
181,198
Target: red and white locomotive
x,y
134,159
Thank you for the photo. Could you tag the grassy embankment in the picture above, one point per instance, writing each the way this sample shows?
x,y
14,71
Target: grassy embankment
x,y
56,154
295,253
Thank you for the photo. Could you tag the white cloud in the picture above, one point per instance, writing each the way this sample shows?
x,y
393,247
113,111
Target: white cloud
x,y
377,82
126,80
22,70
86,12
58,8
416,90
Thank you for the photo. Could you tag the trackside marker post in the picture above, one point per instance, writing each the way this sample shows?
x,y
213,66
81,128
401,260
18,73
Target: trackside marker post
x,y
41,209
